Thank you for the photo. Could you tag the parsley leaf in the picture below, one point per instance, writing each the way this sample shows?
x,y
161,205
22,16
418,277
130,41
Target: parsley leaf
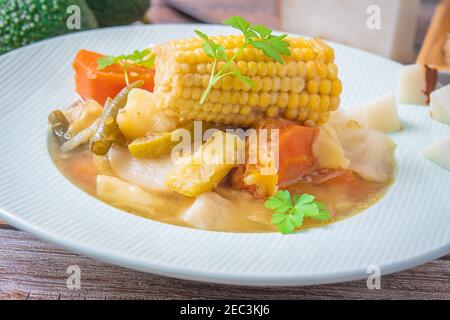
x,y
218,53
257,35
290,212
262,38
280,202
144,58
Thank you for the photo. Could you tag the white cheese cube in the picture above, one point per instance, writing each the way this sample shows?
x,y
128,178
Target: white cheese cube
x,y
415,84
439,153
440,104
380,114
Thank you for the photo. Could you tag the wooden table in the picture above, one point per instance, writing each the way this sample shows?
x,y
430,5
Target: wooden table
x,y
34,269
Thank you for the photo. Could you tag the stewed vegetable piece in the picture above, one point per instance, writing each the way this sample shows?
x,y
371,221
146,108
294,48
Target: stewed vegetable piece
x,y
108,131
59,125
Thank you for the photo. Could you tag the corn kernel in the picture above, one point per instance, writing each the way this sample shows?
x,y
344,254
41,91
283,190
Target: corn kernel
x,y
304,98
197,80
243,98
196,93
267,84
308,54
276,84
187,93
253,99
262,69
225,97
227,83
237,84
313,86
313,116
293,100
324,102
302,70
214,95
297,84
243,67
227,108
271,69
324,117
334,103
264,100
257,84
298,54
252,69
283,99
332,71
292,68
285,84
314,102
302,114
336,88
282,70
291,113
272,111
245,110
311,70
201,68
325,86
249,54
234,97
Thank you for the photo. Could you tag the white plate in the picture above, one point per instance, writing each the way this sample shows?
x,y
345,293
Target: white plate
x,y
409,226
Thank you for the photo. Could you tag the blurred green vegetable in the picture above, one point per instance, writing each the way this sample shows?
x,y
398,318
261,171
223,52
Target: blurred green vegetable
x,y
26,21
108,131
114,12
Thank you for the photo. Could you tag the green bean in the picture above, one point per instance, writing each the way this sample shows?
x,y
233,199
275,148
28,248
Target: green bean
x,y
59,125
108,131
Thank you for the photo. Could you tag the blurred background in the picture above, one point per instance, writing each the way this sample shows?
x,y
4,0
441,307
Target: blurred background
x,y
403,30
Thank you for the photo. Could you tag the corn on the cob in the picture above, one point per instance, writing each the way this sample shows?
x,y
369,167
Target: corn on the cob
x,y
306,87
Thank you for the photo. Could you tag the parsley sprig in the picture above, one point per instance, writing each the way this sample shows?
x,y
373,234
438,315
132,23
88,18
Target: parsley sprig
x,y
257,36
144,58
290,212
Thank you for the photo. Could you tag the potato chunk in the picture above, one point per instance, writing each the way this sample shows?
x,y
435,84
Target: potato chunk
x,y
141,116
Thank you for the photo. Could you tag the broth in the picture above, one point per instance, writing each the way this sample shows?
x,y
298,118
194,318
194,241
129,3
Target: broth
x,y
342,197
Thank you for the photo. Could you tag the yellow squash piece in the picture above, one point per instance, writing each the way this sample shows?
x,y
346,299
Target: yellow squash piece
x,y
152,146
203,171
160,144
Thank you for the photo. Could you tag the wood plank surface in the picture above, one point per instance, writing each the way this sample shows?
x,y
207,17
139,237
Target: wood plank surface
x,y
33,269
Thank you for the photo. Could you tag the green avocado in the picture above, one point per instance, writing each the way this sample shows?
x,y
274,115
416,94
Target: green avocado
x,y
114,12
26,21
